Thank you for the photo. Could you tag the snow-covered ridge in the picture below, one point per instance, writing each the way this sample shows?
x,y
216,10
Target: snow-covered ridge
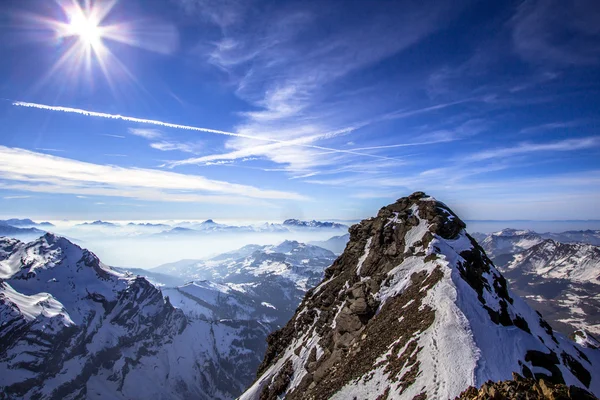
x,y
72,327
576,262
414,308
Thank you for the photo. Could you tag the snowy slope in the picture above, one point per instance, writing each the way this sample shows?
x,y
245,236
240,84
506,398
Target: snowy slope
x,y
71,327
562,281
576,262
414,308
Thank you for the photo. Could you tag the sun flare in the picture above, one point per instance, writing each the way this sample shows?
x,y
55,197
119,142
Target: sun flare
x,y
86,29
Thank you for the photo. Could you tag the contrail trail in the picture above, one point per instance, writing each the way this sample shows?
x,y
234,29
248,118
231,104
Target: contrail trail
x,y
191,128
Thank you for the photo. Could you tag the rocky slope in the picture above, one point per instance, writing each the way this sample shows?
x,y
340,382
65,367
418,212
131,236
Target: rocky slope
x,y
562,280
71,328
526,389
414,308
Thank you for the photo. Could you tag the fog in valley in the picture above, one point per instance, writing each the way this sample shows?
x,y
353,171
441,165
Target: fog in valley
x,y
150,244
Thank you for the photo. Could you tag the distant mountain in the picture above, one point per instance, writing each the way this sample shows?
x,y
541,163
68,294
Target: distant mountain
x,y
576,262
295,223
211,227
587,236
26,234
178,231
414,309
562,280
98,223
289,259
24,223
276,274
500,246
72,328
147,225
336,244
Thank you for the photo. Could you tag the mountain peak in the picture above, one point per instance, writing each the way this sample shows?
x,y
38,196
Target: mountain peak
x,y
514,232
413,308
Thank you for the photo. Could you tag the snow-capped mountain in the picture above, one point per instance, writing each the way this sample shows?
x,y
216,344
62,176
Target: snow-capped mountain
x,y
297,262
277,275
500,246
414,308
562,280
72,328
336,244
577,262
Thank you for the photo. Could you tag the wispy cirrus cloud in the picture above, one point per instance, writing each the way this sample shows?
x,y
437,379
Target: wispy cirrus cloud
x,y
166,145
525,148
150,134
558,32
50,150
242,133
552,126
30,171
273,67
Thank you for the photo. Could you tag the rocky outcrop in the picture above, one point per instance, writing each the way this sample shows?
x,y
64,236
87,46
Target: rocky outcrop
x,y
525,389
414,308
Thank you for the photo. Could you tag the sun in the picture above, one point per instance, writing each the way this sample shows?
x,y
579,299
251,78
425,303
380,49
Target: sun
x,y
86,29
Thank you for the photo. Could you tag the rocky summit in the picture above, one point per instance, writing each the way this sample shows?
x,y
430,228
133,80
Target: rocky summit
x,y
414,309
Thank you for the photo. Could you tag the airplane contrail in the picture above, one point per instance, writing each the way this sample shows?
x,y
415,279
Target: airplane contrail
x,y
188,127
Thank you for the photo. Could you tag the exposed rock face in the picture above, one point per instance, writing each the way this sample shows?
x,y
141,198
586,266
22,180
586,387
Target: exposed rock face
x,y
526,389
414,308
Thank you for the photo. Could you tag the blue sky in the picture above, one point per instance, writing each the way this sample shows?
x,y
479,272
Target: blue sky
x,y
311,109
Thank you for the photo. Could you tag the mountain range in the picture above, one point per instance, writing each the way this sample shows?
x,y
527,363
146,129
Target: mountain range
x,y
73,327
412,308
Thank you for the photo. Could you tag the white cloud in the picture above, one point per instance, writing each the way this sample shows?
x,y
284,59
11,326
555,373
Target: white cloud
x,y
150,134
37,172
170,146
16,197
